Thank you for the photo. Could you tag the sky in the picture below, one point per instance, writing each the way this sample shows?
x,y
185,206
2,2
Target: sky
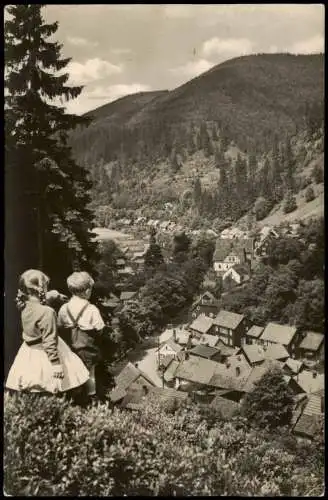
x,y
122,49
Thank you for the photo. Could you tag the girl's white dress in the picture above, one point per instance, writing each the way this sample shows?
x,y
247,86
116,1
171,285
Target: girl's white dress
x,y
32,369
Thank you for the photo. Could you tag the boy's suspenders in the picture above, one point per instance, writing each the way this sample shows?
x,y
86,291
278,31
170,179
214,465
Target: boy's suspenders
x,y
75,321
76,336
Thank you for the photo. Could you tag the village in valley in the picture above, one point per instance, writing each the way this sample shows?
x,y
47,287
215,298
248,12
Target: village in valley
x,y
215,356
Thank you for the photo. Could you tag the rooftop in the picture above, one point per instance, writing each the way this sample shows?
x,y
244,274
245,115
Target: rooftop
x,y
255,331
209,340
204,351
201,324
228,319
307,425
173,345
171,370
294,365
256,353
226,377
310,381
196,369
279,334
312,341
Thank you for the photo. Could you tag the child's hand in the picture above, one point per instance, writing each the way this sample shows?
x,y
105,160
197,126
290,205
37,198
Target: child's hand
x,y
57,371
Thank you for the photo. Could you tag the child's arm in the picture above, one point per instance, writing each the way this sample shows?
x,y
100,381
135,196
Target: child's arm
x,y
48,329
96,319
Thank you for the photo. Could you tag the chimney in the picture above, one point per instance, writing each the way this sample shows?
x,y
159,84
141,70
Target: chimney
x,y
237,371
227,364
187,355
314,374
265,348
174,335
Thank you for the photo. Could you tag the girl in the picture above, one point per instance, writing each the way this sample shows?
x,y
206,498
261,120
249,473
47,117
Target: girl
x,y
44,363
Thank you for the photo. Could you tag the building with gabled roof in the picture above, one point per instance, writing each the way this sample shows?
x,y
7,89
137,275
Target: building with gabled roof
x,y
308,381
229,327
256,354
275,333
311,345
237,274
202,324
258,371
205,351
208,340
292,366
253,334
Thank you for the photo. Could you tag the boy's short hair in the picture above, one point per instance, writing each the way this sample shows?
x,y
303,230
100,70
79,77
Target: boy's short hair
x,y
79,282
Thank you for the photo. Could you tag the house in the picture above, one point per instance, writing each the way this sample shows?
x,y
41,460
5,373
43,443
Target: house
x,y
168,351
229,252
311,419
128,376
208,340
256,354
231,375
202,324
225,407
225,351
229,327
194,369
308,382
311,346
205,351
169,374
280,334
125,296
227,255
253,334
263,240
237,274
206,304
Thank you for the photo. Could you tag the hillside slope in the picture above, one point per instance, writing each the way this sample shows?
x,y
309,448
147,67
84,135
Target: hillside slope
x,y
150,148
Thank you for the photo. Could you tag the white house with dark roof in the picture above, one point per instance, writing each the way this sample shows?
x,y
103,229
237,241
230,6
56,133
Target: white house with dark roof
x,y
168,351
280,334
237,274
230,327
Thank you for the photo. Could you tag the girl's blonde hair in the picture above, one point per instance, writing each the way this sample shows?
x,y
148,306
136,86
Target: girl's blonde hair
x,y
79,282
32,283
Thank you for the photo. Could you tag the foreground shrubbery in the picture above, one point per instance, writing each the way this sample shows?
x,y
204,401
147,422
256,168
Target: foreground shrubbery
x,y
57,449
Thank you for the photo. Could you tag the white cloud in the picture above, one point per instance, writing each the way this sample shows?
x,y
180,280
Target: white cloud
x,y
310,46
194,68
91,99
91,70
81,42
227,47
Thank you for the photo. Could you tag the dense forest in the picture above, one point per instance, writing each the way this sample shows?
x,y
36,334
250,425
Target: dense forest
x,y
237,134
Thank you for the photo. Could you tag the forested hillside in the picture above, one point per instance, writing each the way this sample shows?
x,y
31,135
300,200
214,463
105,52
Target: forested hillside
x,y
240,131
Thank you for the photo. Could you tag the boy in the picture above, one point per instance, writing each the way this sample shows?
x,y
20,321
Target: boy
x,y
83,323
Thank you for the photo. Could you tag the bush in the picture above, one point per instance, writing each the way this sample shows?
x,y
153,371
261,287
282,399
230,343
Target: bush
x,y
309,194
290,204
262,208
52,448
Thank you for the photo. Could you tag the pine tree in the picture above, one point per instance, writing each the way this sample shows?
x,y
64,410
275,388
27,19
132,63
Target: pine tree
x,y
153,257
47,219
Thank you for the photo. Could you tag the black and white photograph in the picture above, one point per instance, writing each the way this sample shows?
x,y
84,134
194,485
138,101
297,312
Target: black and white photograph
x,y
164,252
